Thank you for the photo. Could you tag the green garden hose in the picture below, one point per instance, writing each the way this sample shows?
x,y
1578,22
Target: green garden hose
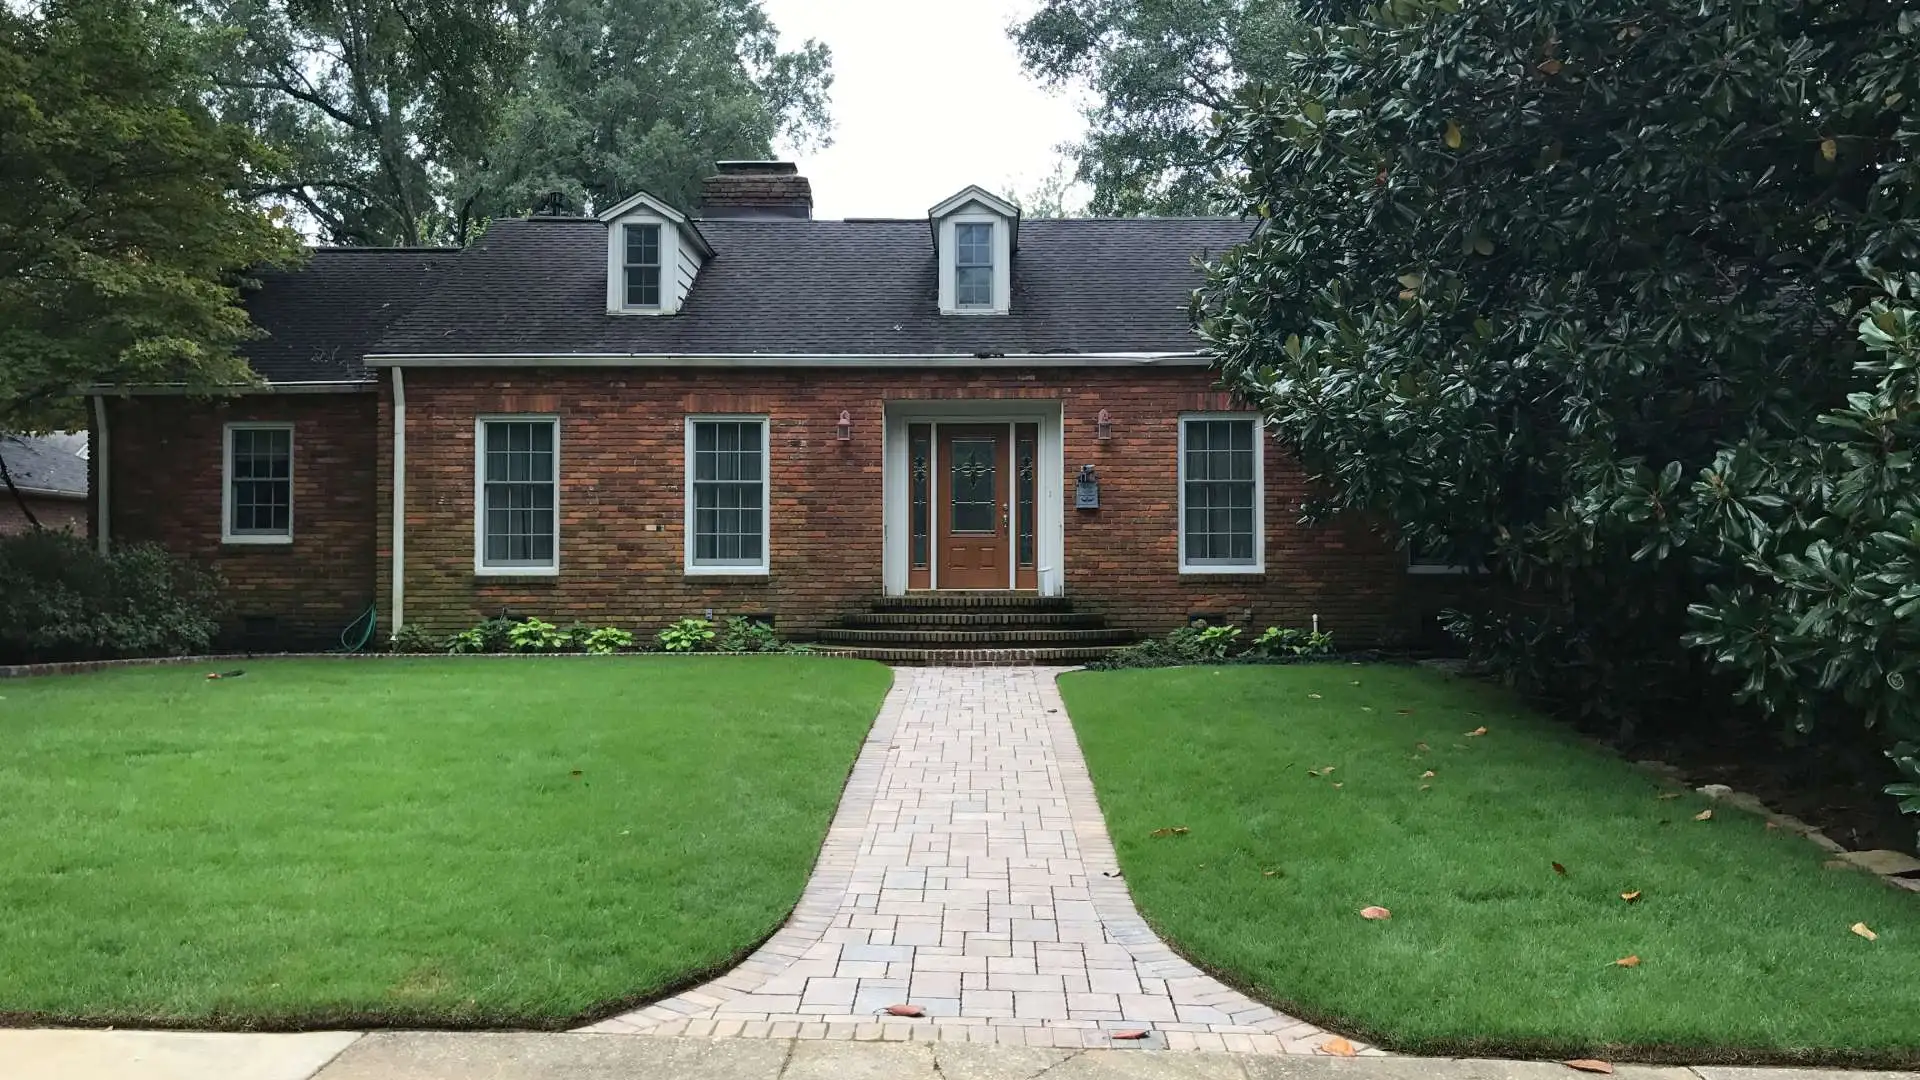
x,y
368,619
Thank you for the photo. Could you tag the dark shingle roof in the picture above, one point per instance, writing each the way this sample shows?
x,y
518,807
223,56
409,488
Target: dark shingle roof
x,y
322,318
44,465
860,286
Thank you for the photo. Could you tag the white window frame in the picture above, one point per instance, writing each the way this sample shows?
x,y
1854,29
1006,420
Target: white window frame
x,y
992,266
1434,568
660,266
1002,249
1259,563
617,266
227,535
765,566
480,565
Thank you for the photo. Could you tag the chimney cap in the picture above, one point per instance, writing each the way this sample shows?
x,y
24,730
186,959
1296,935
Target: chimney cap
x,y
756,168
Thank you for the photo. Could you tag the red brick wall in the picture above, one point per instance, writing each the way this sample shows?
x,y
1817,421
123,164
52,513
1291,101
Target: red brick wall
x,y
621,449
68,514
164,464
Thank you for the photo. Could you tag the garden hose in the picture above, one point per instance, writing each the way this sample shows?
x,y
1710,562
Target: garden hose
x,y
370,618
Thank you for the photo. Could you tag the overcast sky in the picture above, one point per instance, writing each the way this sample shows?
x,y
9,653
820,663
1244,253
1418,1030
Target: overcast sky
x,y
928,97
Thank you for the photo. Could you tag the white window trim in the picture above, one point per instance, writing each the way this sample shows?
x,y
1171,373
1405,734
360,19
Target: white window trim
x,y
227,535
1437,569
765,565
1259,563
480,566
1002,264
617,265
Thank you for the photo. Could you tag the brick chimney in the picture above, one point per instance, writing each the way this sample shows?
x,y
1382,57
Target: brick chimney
x,y
756,189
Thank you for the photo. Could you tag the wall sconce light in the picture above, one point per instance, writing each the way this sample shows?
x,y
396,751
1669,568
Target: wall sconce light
x,y
1103,426
844,429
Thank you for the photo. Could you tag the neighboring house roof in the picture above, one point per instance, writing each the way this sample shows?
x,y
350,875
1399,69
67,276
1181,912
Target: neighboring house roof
x,y
813,286
321,318
45,465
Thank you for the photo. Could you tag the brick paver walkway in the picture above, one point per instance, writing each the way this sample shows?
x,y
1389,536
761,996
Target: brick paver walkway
x,y
968,871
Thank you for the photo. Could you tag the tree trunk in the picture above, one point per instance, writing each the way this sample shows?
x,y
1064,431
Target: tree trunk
x,y
17,497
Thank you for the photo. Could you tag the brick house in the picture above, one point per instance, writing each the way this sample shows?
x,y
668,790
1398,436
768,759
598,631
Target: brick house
x,y
969,430
50,474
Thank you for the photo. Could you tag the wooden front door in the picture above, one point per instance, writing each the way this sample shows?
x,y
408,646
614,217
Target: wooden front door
x,y
971,508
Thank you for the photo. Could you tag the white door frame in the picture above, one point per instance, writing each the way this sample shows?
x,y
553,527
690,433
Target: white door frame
x,y
1049,533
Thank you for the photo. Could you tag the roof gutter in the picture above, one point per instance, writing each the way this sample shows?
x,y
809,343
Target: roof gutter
x,y
338,386
791,360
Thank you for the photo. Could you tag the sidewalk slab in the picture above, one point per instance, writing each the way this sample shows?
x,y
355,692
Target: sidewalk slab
x,y
454,1055
46,1054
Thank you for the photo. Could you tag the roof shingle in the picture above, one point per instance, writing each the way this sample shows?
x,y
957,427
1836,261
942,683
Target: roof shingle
x,y
322,318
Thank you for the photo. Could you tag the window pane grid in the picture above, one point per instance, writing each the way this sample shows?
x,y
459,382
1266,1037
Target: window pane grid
x,y
518,493
1221,493
973,265
729,493
643,265
261,479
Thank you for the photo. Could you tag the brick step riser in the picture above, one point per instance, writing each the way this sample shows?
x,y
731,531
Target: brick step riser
x,y
978,602
975,620
973,657
976,639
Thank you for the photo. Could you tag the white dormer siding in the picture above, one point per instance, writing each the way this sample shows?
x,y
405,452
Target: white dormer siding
x,y
975,234
654,253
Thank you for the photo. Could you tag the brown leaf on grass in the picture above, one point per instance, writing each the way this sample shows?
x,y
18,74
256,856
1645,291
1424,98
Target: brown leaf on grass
x,y
1549,67
1129,1035
1422,747
1428,775
1315,697
1862,929
1171,830
1558,869
1426,787
905,1010
1338,1047
1668,795
1592,1065
1313,772
1476,731
1627,961
1337,783
1404,712
1630,897
1704,815
1772,825
1375,912
1270,873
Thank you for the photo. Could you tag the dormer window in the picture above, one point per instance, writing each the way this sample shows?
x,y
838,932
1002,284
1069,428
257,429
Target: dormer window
x,y
975,234
643,264
972,265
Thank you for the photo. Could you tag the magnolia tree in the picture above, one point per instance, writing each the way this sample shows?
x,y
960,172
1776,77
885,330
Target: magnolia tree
x,y
1589,295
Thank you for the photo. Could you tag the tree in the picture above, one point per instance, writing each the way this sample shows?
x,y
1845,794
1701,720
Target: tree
x,y
1158,71
121,236
1533,270
625,95
370,103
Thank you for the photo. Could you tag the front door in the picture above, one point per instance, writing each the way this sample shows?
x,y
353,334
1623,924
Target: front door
x,y
971,507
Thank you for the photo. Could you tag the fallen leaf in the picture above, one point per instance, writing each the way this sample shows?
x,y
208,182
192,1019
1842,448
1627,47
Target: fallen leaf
x,y
1862,929
1630,897
905,1010
1592,1065
1129,1035
1627,961
1558,869
1366,708
1704,815
1828,149
1668,795
1453,135
1428,775
1422,747
1337,783
1171,830
1476,731
1426,787
1269,873
1404,712
1375,912
1549,67
1313,772
1772,825
575,772
1316,697
1338,1047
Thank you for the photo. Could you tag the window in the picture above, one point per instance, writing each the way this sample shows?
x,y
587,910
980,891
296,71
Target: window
x,y
727,494
972,265
257,496
517,531
1220,495
1423,560
643,265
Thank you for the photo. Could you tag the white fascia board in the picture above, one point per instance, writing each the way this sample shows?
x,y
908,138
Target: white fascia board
x,y
789,360
357,386
974,193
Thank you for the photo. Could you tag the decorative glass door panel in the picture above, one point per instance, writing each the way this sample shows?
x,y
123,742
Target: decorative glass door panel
x,y
974,504
972,508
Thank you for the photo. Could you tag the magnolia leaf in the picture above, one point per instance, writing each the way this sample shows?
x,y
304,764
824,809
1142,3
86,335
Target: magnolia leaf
x,y
1630,897
1338,1047
1668,795
1454,136
1549,67
1129,1035
1704,815
1375,912
1592,1065
1829,149
1558,869
1627,961
1482,246
905,1010
1412,281
1428,775
1864,931
1476,731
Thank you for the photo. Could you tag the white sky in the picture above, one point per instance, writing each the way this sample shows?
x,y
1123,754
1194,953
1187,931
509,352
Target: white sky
x,y
928,97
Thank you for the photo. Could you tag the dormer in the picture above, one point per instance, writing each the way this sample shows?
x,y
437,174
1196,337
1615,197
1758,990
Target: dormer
x,y
653,254
975,234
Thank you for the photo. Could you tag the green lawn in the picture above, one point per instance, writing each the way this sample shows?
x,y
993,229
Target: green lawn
x,y
1743,938
431,841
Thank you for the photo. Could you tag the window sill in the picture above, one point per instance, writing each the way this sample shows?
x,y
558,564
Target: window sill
x,y
243,542
1237,573
1440,571
516,577
696,575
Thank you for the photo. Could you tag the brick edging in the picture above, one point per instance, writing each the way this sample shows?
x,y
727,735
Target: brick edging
x,y
82,667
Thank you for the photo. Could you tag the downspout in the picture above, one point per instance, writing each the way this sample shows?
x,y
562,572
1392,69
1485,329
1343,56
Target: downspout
x,y
103,525
399,499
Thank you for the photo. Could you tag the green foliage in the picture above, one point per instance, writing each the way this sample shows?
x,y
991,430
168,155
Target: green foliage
x,y
535,635
1578,301
605,641
742,634
492,636
120,238
65,601
413,638
1200,643
1157,69
687,635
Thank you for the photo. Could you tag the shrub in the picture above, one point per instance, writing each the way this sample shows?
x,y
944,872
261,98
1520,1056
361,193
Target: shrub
x,y
605,641
687,635
749,635
491,636
1286,641
412,638
63,600
1203,644
536,635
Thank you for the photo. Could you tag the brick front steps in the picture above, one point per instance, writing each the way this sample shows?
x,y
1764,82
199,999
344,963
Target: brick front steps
x,y
963,628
